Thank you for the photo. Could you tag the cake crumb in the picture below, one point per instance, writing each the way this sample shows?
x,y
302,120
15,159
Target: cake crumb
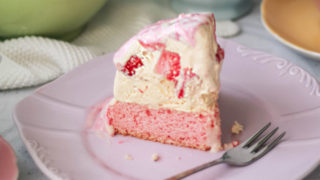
x,y
128,157
230,145
155,157
179,158
236,128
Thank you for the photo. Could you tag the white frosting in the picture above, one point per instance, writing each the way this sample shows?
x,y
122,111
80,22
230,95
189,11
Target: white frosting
x,y
153,89
181,28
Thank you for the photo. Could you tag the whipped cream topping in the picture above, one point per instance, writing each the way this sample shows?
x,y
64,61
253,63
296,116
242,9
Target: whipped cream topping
x,y
181,28
171,64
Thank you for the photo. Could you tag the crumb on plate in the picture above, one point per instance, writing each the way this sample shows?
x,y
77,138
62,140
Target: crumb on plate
x,y
155,157
236,128
128,157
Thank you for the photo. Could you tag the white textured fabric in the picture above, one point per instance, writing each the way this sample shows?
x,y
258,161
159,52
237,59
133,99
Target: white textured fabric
x,y
34,60
29,61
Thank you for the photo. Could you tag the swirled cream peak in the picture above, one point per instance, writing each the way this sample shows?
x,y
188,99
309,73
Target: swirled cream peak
x,y
171,64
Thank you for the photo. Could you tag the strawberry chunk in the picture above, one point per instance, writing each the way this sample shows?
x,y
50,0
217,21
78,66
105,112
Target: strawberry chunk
x,y
169,65
131,65
187,75
220,54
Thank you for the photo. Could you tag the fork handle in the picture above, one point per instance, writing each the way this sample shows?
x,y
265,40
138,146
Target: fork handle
x,y
196,169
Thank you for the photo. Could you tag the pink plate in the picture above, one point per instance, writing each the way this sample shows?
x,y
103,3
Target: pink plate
x,y
8,161
256,88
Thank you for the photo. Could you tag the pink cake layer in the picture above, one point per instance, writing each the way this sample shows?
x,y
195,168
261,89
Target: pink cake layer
x,y
188,129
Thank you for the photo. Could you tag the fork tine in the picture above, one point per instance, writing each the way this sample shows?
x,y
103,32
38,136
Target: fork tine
x,y
262,141
271,145
276,141
255,136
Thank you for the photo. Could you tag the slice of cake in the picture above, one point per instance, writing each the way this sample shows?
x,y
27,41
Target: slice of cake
x,y
167,84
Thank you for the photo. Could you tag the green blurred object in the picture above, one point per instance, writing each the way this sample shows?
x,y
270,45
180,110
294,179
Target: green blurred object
x,y
62,19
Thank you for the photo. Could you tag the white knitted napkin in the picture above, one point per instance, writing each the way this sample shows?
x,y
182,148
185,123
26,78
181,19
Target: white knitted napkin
x,y
29,61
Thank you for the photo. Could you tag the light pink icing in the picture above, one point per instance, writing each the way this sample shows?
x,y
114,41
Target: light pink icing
x,y
8,166
182,28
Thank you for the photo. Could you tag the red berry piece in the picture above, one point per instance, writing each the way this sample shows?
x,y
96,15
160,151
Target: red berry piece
x,y
131,65
235,143
181,93
220,54
169,65
187,75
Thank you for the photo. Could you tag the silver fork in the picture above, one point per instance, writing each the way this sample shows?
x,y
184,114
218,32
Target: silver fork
x,y
242,155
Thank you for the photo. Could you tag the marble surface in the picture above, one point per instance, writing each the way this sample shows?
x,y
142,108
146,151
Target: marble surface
x,y
253,35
